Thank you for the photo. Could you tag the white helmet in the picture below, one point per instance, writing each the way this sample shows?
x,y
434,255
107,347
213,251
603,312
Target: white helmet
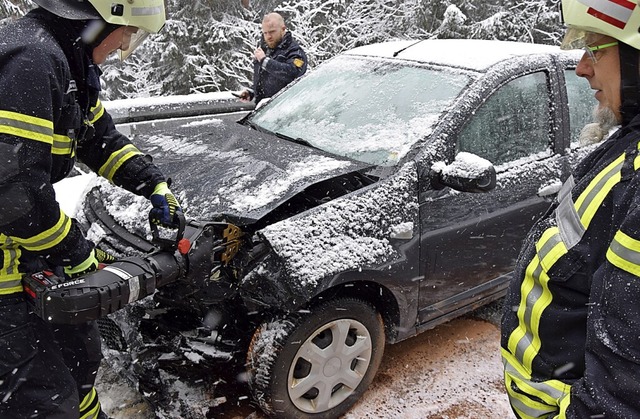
x,y
589,20
618,19
146,15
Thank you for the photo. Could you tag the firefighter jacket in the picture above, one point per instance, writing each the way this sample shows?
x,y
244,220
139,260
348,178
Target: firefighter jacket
x,y
571,324
281,66
50,115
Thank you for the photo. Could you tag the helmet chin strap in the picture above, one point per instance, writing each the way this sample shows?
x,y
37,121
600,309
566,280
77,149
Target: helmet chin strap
x,y
629,82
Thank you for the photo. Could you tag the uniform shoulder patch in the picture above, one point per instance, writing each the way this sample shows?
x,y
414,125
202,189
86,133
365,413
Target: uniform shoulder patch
x,y
298,62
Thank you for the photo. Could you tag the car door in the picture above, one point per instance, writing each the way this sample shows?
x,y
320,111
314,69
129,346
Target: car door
x,y
469,241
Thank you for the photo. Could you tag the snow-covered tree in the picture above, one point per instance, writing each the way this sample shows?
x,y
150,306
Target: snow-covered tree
x,y
207,45
10,9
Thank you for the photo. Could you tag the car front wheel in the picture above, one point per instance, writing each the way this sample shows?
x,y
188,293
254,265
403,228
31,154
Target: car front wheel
x,y
317,363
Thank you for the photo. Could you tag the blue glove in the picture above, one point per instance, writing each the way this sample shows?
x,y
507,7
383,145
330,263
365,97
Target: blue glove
x,y
166,208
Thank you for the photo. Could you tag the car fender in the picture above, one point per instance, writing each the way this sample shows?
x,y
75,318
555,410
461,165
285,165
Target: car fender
x,y
365,231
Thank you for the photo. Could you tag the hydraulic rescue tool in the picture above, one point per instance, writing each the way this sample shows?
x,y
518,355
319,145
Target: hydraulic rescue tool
x,y
195,254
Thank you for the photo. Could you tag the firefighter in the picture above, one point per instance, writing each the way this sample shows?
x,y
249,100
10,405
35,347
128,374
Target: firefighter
x,y
50,115
277,61
571,323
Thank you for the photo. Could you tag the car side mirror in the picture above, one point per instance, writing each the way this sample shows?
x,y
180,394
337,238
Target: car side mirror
x,y
467,173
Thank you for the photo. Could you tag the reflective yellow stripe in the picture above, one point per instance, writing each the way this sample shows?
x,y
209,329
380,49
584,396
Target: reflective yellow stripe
x,y
10,277
550,247
10,255
591,198
97,111
524,342
62,145
26,126
116,160
564,404
624,252
535,399
90,406
48,238
88,399
10,283
526,407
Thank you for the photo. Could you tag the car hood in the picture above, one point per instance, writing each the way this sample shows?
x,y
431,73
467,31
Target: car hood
x,y
220,168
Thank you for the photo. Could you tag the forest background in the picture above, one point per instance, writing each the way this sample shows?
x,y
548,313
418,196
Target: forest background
x,y
206,45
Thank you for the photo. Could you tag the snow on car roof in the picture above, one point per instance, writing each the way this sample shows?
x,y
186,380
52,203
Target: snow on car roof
x,y
474,54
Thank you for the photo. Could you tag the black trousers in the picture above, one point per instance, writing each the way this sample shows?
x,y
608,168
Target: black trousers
x,y
45,370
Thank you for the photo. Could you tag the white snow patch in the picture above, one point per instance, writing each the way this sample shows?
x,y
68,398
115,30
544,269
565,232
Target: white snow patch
x,y
244,199
69,191
464,164
402,231
210,122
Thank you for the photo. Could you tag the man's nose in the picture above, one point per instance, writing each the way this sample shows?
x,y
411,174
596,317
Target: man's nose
x,y
585,66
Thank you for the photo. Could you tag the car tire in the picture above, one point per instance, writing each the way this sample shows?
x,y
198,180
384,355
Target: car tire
x,y
287,382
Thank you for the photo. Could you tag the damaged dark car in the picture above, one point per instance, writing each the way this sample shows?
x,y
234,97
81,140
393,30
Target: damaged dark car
x,y
384,193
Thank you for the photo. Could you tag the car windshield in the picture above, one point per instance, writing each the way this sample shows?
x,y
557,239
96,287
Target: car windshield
x,y
366,109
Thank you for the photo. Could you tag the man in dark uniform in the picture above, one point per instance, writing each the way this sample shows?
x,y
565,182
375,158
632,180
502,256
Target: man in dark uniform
x,y
571,324
50,115
276,65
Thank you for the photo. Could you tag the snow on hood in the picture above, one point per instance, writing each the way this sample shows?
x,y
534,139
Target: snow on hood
x,y
221,169
349,233
246,195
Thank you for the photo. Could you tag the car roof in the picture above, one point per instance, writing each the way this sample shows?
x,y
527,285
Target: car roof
x,y
473,54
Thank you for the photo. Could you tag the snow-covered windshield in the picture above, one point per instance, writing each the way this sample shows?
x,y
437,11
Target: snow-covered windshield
x,y
367,109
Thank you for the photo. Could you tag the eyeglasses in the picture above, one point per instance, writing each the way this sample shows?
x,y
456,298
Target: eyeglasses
x,y
590,51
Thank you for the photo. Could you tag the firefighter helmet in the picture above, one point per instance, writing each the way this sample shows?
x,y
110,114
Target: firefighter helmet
x,y
583,18
147,15
588,20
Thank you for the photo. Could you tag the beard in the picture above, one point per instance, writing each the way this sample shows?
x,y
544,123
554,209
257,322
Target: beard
x,y
604,119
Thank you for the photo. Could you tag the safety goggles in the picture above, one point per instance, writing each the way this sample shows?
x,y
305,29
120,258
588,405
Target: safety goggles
x,y
591,51
137,38
576,38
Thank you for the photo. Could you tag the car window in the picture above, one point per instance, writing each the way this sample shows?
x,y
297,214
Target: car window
x,y
513,122
581,103
368,109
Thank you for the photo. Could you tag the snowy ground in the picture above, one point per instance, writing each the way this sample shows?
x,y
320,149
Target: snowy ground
x,y
452,371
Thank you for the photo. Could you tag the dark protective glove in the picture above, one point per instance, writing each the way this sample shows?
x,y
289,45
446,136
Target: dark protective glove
x,y
103,258
90,264
96,260
166,208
